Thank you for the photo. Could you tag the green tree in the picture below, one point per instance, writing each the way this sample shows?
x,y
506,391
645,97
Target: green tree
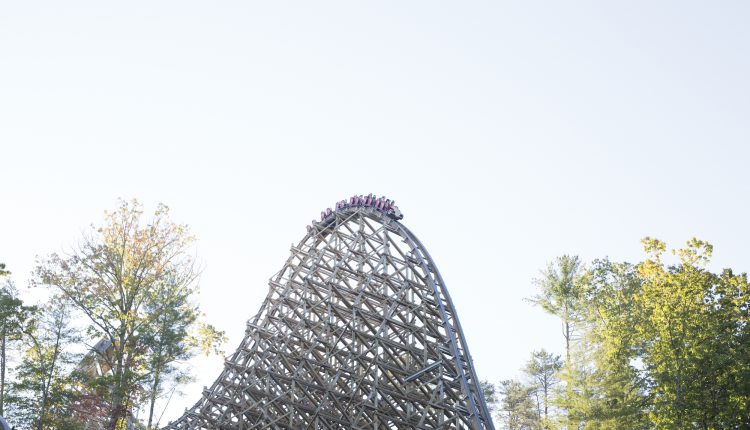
x,y
14,316
562,290
542,369
618,384
44,389
654,345
694,330
489,390
116,277
176,335
663,346
490,394
516,409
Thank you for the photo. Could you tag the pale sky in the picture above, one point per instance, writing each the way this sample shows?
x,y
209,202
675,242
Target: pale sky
x,y
508,134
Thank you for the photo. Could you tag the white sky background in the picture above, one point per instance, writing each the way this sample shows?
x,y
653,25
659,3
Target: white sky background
x,y
508,133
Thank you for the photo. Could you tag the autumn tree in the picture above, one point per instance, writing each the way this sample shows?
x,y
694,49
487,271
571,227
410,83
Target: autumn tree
x,y
116,277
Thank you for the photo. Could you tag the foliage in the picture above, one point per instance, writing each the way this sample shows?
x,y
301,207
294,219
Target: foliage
x,y
658,346
170,339
516,410
695,337
490,395
118,277
562,292
542,369
45,389
14,320
618,386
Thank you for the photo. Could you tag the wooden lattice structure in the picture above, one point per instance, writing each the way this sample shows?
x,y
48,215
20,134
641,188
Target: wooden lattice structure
x,y
357,332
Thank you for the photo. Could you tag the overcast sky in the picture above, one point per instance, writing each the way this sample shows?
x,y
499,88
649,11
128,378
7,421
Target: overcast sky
x,y
508,133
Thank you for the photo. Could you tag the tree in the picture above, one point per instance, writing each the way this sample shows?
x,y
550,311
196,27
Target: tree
x,y
14,316
542,369
516,410
655,345
562,289
117,277
561,293
663,346
44,390
171,340
618,383
490,395
695,334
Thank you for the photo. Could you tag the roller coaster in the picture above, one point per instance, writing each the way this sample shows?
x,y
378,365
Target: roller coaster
x,y
357,331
